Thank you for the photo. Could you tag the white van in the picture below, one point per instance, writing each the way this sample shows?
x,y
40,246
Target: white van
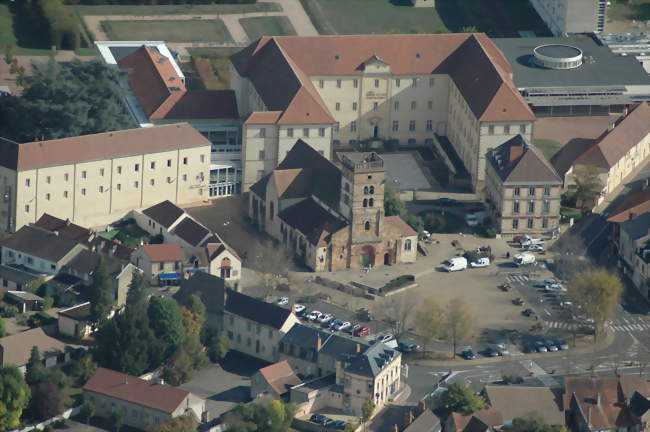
x,y
524,259
455,264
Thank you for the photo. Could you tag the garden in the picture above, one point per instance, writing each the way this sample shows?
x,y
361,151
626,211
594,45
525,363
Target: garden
x,y
441,221
213,30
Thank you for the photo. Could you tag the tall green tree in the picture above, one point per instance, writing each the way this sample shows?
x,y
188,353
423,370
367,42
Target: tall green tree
x,y
460,323
598,292
78,99
533,423
87,410
102,297
35,372
273,416
393,204
219,347
165,319
14,396
459,397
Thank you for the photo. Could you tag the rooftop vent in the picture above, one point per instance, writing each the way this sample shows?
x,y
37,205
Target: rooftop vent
x,y
337,57
417,55
175,89
557,56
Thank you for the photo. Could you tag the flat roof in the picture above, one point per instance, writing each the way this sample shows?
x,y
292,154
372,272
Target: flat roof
x,y
558,51
606,69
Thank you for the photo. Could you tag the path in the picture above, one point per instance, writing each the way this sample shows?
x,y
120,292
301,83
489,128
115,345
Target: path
x,y
296,13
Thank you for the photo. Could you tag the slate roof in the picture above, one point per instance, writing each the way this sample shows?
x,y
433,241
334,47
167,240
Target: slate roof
x,y
190,231
425,422
165,213
517,161
332,344
106,145
205,104
16,275
211,289
135,390
607,150
635,204
78,312
17,348
256,310
86,261
39,243
23,296
312,220
280,376
637,227
372,361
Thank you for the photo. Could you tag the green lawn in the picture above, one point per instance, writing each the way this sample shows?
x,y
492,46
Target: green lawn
x,y
185,9
267,26
549,147
634,10
171,31
28,43
219,57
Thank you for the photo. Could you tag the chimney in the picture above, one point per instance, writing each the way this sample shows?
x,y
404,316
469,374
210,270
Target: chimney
x,y
357,348
515,152
319,343
646,183
408,417
631,216
422,406
67,222
395,428
611,127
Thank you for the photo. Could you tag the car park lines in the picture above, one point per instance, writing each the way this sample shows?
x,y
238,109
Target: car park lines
x,y
517,277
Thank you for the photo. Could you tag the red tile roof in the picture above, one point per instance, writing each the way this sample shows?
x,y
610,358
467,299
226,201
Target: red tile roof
x,y
163,252
517,161
135,390
490,417
404,228
635,204
280,376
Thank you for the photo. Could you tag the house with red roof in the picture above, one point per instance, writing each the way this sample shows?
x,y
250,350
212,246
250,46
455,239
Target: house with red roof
x,y
144,404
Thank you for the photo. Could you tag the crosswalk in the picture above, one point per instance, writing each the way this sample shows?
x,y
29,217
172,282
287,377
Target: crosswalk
x,y
624,325
517,277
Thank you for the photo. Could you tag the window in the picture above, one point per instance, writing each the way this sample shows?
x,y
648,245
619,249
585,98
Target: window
x,y
338,83
490,130
118,186
522,129
366,226
101,189
544,223
412,125
515,207
337,106
262,132
152,182
271,210
397,82
371,190
27,182
515,223
529,224
83,174
365,202
169,163
432,82
185,161
546,206
47,196
202,158
414,82
136,184
66,176
65,194
83,191
375,106
137,167
290,132
376,83
101,172
321,83
48,179
517,191
262,155
531,206
355,83
506,130
430,105
353,126
547,190
119,170
531,191
396,105
413,105
184,177
336,127
429,125
365,190
371,202
407,245
321,132
305,132
152,165
395,125
354,106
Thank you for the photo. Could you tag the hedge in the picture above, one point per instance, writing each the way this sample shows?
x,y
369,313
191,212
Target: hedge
x,y
62,26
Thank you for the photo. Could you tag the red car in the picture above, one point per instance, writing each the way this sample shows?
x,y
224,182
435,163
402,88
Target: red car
x,y
362,331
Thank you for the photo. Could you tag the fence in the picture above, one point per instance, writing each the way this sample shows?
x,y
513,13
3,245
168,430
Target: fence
x,y
63,416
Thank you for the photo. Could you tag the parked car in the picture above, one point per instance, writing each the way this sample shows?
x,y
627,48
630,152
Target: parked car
x,y
524,259
364,314
333,323
338,425
362,331
502,348
282,301
534,248
299,308
341,326
352,328
561,344
491,352
455,264
471,220
481,262
540,347
505,287
530,348
518,301
320,419
325,318
408,347
314,315
468,354
528,312
550,345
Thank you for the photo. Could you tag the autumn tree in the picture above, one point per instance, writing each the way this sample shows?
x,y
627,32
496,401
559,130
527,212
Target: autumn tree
x,y
459,323
428,321
597,292
184,423
588,185
14,396
367,409
397,310
179,369
460,397
47,401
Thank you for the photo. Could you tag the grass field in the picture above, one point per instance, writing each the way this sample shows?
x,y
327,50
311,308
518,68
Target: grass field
x,y
220,64
185,9
25,43
171,31
495,17
257,27
634,10
549,147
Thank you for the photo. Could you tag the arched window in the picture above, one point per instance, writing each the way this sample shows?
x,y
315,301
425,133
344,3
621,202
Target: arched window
x,y
372,190
367,226
365,202
371,202
407,245
365,190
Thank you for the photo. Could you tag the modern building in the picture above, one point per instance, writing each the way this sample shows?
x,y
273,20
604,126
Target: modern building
x,y
16,349
144,404
522,190
350,92
572,16
330,216
155,92
96,179
574,76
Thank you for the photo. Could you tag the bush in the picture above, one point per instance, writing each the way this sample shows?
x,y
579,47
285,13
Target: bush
x,y
46,304
63,28
157,239
10,311
568,213
398,282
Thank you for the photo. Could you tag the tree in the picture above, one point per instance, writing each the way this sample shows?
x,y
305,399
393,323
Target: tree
x,y
588,185
219,347
47,400
597,292
273,416
468,29
3,332
87,410
135,296
117,418
393,204
367,409
9,54
101,294
179,369
193,316
83,368
532,423
459,397
184,423
166,321
397,310
78,99
428,321
459,324
14,396
35,368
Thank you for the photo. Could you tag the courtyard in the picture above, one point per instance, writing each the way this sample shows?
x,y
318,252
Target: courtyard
x,y
405,173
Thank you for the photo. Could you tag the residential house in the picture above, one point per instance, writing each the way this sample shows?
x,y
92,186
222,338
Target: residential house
x,y
16,278
274,381
16,349
332,217
427,421
617,153
606,404
366,90
144,404
254,326
161,263
95,179
23,300
633,244
74,321
486,420
522,189
522,401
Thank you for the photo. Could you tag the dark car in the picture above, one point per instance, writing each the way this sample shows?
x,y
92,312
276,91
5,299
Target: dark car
x,y
528,312
407,347
468,354
338,425
491,352
364,314
561,344
529,348
317,418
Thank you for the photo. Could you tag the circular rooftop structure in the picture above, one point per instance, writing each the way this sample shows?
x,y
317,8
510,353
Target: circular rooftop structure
x,y
556,56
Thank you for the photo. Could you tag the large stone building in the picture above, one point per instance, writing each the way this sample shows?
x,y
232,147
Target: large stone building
x,y
342,92
330,216
522,189
572,16
95,179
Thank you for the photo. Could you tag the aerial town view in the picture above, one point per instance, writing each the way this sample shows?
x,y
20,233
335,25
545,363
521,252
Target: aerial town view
x,y
325,215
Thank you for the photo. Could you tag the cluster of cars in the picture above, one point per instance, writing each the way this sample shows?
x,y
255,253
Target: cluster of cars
x,y
548,345
460,263
329,321
327,422
497,350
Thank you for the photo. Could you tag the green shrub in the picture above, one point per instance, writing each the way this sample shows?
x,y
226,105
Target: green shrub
x,y
157,239
63,27
398,282
9,311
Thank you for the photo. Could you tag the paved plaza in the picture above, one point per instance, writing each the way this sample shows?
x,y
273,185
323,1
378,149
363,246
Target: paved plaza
x,y
404,172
